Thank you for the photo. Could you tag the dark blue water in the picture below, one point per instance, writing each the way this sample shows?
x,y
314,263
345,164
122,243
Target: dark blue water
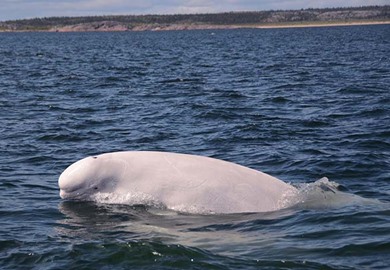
x,y
298,104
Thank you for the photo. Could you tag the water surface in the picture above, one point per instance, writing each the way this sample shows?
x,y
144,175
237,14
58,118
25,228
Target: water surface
x,y
298,104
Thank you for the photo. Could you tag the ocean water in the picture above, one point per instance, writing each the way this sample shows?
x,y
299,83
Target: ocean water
x,y
299,104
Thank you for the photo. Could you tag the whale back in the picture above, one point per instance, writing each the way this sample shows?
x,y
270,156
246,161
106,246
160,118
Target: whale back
x,y
183,182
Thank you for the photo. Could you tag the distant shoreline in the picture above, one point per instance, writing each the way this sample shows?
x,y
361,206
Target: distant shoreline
x,y
368,15
322,24
183,27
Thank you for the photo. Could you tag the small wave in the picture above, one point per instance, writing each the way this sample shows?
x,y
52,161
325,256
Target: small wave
x,y
182,80
325,194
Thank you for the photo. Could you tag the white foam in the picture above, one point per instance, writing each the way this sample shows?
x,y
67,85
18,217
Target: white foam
x,y
134,198
319,194
139,198
325,194
192,209
289,198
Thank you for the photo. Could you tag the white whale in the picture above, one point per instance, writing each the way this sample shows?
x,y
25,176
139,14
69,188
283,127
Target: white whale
x,y
180,182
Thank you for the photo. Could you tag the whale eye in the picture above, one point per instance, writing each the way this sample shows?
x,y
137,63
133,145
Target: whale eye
x,y
95,157
95,188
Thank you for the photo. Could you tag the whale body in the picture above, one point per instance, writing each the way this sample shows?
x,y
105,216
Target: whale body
x,y
177,181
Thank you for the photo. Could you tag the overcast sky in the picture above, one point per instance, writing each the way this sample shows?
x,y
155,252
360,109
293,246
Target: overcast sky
x,y
21,9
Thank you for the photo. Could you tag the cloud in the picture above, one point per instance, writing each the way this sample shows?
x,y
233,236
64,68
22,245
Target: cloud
x,y
18,9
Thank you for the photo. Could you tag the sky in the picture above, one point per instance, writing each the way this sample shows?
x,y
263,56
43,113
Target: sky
x,y
24,9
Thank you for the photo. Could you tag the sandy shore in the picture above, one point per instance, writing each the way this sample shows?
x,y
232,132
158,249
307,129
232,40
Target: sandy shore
x,y
321,24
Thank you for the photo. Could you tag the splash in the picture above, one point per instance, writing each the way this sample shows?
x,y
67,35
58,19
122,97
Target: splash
x,y
325,194
133,198
139,198
320,194
192,209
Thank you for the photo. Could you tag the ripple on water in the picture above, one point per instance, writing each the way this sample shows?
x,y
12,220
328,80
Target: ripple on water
x,y
270,99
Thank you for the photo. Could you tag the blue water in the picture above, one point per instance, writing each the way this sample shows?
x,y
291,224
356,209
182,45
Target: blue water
x,y
299,104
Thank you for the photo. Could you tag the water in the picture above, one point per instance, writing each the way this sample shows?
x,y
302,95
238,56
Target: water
x,y
299,104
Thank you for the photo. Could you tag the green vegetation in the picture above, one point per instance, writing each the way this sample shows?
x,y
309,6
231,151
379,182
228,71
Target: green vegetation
x,y
273,17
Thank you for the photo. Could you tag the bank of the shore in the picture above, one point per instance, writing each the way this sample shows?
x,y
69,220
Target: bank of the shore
x,y
321,24
117,27
228,20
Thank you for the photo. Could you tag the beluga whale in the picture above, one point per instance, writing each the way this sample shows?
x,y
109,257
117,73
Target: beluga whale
x,y
179,182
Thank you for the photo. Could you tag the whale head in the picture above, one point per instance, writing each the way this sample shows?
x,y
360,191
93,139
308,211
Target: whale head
x,y
89,176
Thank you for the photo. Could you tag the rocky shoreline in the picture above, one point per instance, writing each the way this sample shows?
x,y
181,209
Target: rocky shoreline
x,y
112,26
108,26
230,20
117,27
